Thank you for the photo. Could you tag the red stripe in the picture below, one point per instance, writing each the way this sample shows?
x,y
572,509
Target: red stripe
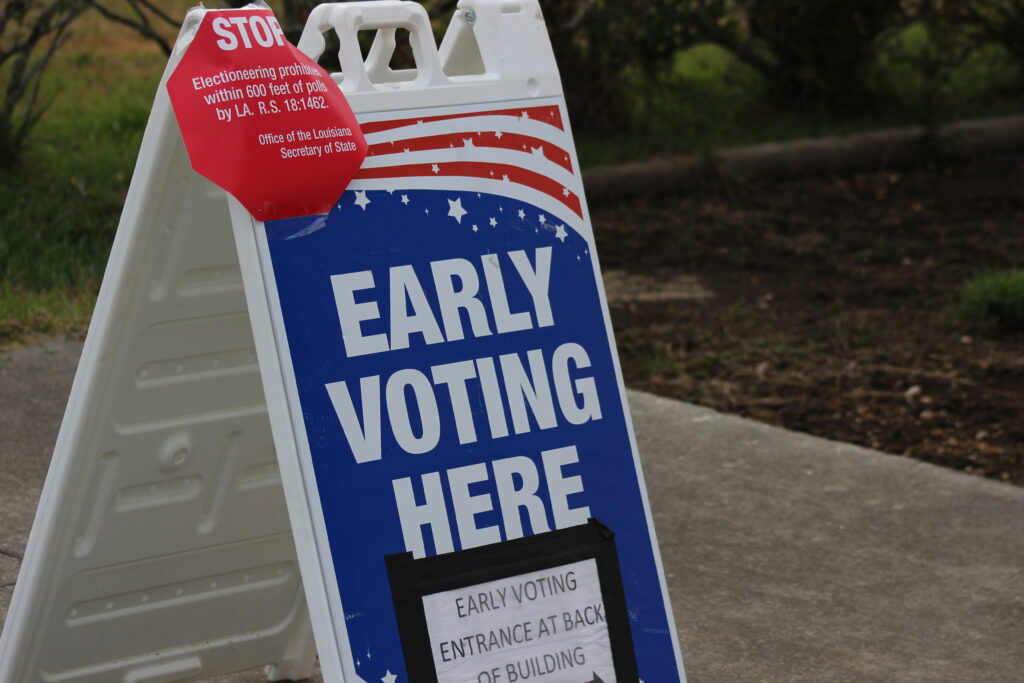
x,y
549,115
477,169
510,141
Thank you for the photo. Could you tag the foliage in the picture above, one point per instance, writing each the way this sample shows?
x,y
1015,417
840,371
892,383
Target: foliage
x,y
810,53
941,46
1000,21
142,16
995,297
600,44
61,204
31,31
642,79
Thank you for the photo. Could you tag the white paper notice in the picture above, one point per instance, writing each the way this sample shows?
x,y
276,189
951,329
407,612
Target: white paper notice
x,y
543,627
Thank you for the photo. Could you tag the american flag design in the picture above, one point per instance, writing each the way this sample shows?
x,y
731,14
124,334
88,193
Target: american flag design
x,y
523,153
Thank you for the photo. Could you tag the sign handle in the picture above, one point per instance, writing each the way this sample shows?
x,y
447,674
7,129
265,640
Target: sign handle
x,y
385,16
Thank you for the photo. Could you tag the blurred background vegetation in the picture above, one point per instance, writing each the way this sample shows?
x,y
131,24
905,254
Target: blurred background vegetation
x,y
77,78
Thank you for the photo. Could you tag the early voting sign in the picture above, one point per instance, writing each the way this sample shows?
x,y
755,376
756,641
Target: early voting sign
x,y
451,353
350,389
459,420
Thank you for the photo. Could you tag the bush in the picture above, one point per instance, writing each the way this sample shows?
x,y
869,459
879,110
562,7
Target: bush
x,y
813,54
1001,21
995,297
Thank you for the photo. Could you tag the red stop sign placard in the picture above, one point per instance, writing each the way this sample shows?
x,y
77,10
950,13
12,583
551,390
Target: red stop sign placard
x,y
262,120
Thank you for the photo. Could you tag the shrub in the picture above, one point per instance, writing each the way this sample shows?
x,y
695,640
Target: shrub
x,y
995,297
812,53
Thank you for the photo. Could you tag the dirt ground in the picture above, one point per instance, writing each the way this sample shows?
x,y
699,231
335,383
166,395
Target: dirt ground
x,y
826,305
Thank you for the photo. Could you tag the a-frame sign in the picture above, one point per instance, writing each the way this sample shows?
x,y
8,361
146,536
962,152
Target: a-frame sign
x,y
413,403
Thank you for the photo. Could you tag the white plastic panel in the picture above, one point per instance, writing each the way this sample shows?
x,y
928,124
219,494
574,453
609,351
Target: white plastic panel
x,y
161,549
494,51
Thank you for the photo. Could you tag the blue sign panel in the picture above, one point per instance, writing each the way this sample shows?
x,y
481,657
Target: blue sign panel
x,y
454,366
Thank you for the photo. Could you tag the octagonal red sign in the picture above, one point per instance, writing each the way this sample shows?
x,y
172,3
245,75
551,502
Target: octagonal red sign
x,y
262,120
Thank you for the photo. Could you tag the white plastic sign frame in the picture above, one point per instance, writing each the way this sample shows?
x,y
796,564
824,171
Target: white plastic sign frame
x,y
162,548
439,140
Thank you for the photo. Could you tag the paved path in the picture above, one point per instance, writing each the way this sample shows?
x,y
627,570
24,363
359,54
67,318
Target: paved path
x,y
789,558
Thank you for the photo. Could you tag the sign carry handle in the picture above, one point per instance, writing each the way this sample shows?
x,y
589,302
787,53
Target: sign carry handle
x,y
386,17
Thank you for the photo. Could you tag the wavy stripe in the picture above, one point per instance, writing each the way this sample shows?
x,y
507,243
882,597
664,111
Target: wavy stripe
x,y
475,169
486,139
495,124
549,115
536,163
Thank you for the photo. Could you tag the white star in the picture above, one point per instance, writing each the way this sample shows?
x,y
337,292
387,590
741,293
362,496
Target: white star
x,y
405,199
542,218
522,214
467,142
361,199
537,151
419,121
435,168
526,114
501,208
390,190
475,227
406,150
560,233
455,210
426,211
498,134
565,191
389,677
505,177
494,222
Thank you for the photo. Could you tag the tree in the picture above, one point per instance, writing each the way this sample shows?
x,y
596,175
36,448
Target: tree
x,y
1001,21
143,16
31,31
810,53
597,42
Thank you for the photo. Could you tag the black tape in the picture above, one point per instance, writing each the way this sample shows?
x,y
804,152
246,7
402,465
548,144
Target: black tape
x,y
411,579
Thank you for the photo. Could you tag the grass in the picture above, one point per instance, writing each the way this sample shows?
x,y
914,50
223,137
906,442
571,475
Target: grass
x,y
995,298
62,202
63,199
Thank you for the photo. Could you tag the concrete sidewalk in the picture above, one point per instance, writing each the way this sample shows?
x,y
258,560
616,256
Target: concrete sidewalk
x,y
789,558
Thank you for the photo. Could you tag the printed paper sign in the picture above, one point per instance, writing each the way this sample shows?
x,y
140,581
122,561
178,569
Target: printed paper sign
x,y
547,626
261,119
450,354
